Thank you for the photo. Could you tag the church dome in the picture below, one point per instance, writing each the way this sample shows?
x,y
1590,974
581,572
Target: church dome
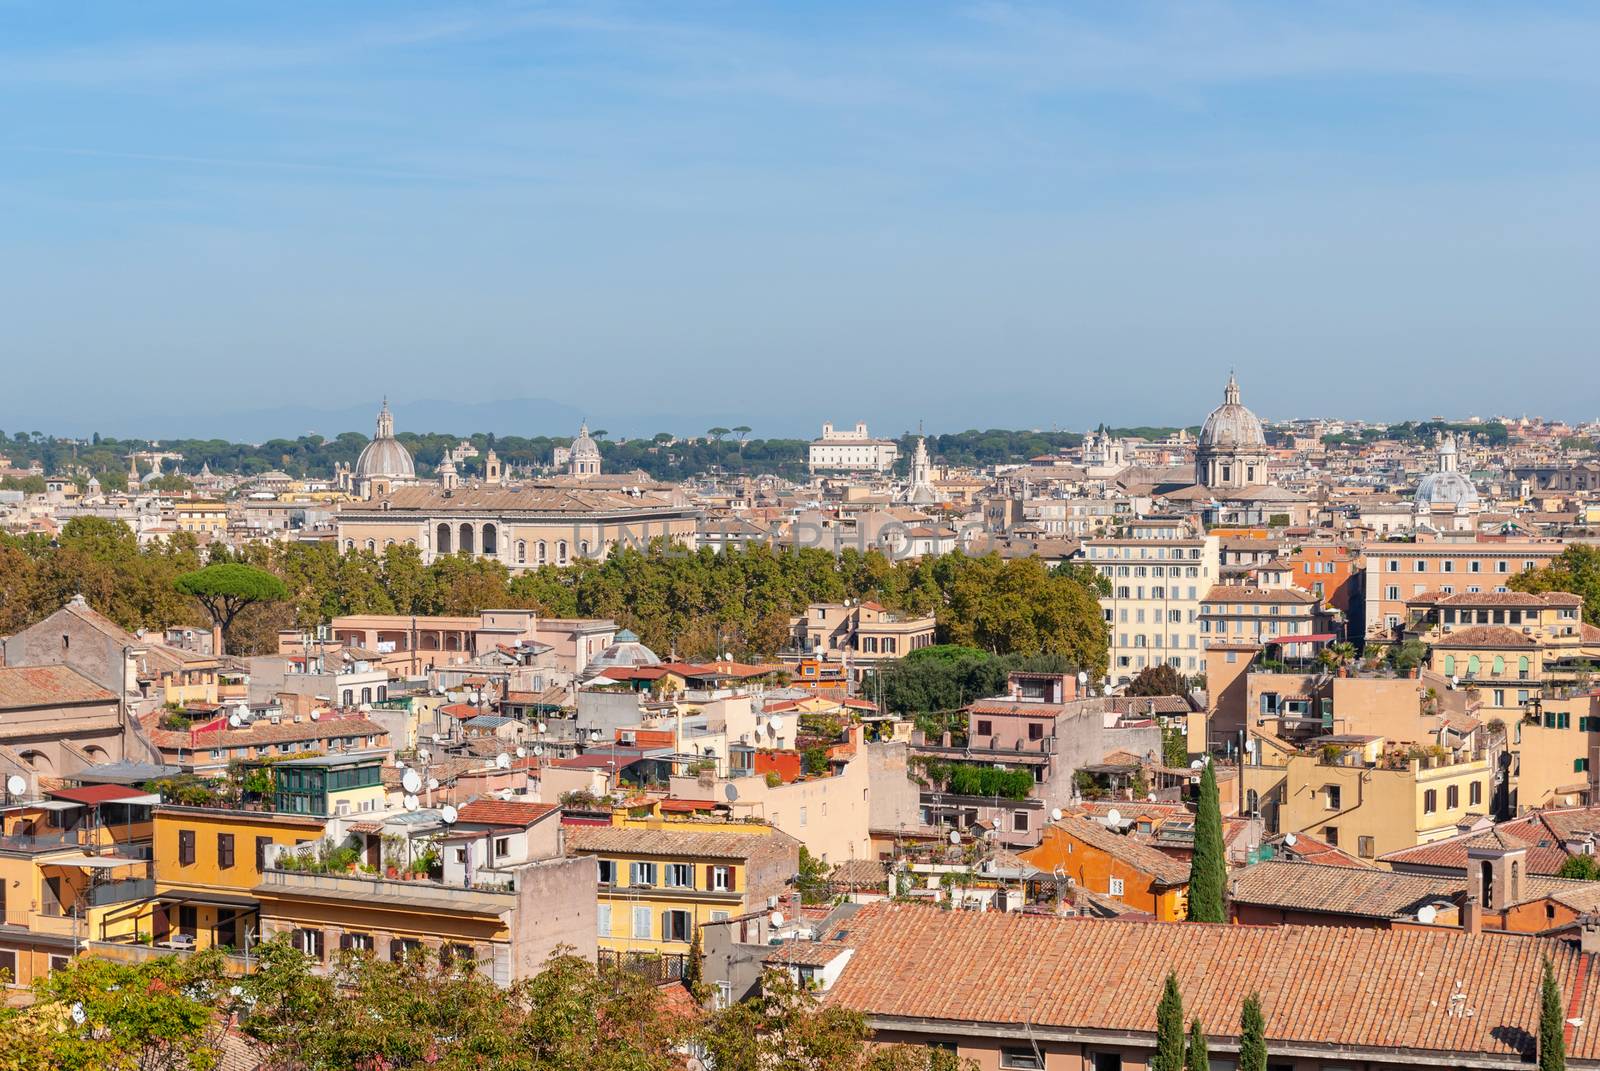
x,y
584,445
625,651
1231,424
1445,489
384,456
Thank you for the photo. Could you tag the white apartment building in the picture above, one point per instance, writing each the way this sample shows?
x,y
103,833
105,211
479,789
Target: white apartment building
x,y
851,450
1159,575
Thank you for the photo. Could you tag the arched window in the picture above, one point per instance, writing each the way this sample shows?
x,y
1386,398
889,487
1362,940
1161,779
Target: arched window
x,y
1449,665
371,545
1474,664
1499,665
366,695
561,552
1252,801
387,543
541,552
349,544
411,542
443,539
522,551
467,542
491,540
583,548
1522,667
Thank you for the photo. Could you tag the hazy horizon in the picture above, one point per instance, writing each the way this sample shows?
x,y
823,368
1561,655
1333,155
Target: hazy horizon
x,y
970,215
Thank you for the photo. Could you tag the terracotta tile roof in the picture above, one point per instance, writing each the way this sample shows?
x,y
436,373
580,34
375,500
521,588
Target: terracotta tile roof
x,y
92,794
1145,704
707,844
489,812
1541,833
260,733
1337,890
1350,987
1509,598
47,686
860,874
1140,856
805,953
1485,636
1226,593
1309,849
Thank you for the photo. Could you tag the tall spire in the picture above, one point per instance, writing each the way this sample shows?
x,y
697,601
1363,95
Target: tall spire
x,y
1231,395
385,420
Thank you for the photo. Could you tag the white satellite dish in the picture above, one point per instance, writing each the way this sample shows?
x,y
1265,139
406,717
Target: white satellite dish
x,y
78,1014
433,783
537,750
1454,681
594,735
1055,814
541,726
522,752
315,714
955,836
16,784
730,792
776,918
411,803
1083,678
502,761
399,763
1113,816
1289,839
235,721
411,781
424,754
449,815
1250,746
438,738
1196,764
1427,915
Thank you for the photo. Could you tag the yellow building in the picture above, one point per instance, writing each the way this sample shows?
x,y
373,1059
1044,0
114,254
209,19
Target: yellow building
x,y
208,861
1507,645
74,868
1555,753
659,879
1369,799
210,518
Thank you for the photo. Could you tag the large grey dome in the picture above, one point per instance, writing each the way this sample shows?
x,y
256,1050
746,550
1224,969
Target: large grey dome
x,y
1445,489
1231,424
384,456
584,446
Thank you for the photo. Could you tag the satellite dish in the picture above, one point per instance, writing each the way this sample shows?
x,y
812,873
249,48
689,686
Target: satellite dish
x,y
776,918
537,750
1289,839
522,752
774,723
504,793
438,738
433,783
1196,764
449,815
1083,678
399,763
16,784
411,803
315,714
411,781
502,761
1055,814
235,721
541,726
424,754
1113,816
1454,680
1427,915
594,735
1250,746
955,836
78,1014
730,792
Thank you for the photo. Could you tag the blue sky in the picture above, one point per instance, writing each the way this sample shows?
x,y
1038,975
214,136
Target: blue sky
x,y
671,215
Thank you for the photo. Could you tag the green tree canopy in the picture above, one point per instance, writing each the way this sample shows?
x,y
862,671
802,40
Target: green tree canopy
x,y
1252,1036
1157,680
1208,868
1169,1052
1198,1056
227,588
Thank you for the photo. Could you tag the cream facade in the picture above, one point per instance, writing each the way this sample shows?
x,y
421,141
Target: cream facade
x,y
1398,572
1158,583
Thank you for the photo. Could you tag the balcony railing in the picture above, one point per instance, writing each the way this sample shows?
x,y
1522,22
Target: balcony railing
x,y
120,892
655,966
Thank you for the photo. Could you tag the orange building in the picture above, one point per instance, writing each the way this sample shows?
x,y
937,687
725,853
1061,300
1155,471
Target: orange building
x,y
1328,571
1102,861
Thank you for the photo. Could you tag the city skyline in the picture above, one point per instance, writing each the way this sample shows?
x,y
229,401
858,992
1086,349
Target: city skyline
x,y
708,205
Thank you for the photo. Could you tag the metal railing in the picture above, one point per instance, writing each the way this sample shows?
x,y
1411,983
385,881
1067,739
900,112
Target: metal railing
x,y
655,966
118,892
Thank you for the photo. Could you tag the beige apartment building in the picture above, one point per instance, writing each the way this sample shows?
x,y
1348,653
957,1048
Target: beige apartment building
x,y
861,633
1397,573
1159,574
1284,618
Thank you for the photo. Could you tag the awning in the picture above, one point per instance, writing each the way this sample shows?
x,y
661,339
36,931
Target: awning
x,y
93,794
93,862
57,805
184,896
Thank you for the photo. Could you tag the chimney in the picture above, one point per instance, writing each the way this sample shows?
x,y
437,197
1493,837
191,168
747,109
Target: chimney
x,y
216,640
1471,916
1589,934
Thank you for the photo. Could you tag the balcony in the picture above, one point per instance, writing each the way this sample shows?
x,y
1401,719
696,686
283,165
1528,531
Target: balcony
x,y
373,890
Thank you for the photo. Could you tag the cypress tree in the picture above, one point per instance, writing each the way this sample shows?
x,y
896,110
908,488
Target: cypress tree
x,y
1552,1026
1252,1036
1169,1029
1199,1056
1208,871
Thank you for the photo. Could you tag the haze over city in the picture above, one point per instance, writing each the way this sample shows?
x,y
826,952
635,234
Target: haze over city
x,y
676,215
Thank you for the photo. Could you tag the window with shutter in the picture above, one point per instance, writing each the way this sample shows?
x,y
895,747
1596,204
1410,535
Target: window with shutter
x,y
641,922
225,851
186,847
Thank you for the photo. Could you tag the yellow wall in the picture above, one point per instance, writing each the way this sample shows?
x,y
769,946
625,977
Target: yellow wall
x,y
1386,805
1547,759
